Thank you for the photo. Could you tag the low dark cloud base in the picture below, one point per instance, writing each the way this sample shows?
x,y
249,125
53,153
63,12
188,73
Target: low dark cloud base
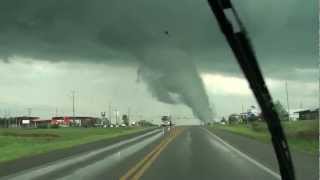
x,y
167,38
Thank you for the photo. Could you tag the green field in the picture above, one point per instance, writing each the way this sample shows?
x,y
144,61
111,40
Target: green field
x,y
301,135
16,143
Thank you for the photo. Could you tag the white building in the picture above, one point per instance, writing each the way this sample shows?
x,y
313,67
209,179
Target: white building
x,y
293,115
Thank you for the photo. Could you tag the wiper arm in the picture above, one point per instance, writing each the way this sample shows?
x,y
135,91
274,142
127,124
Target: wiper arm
x,y
237,38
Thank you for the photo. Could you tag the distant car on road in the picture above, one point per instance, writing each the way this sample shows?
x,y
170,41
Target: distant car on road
x,y
166,121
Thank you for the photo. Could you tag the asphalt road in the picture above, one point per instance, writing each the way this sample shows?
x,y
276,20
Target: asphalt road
x,y
181,153
306,165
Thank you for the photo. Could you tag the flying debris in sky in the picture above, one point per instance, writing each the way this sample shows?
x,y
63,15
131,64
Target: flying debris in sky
x,y
167,33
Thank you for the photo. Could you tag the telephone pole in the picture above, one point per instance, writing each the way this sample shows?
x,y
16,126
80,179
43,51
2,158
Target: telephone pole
x,y
301,105
73,104
128,112
287,94
116,111
56,112
29,111
110,115
319,88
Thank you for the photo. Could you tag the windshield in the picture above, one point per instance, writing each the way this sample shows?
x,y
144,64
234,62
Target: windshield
x,y
97,89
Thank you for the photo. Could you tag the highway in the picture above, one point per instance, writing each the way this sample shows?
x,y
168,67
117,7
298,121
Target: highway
x,y
180,153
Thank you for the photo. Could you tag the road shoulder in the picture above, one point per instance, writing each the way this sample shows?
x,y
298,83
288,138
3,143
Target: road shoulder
x,y
306,165
29,162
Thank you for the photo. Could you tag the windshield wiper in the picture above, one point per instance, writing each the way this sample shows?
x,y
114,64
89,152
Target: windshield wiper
x,y
236,36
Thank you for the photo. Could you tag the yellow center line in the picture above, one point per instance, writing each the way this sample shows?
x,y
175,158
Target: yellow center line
x,y
138,175
137,166
150,157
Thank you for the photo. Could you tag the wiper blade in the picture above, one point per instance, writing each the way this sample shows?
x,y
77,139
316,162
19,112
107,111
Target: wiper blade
x,y
236,36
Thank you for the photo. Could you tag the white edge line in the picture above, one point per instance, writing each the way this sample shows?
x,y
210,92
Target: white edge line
x,y
67,161
261,166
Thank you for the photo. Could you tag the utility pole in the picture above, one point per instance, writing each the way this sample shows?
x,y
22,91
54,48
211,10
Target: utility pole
x,y
287,94
73,104
29,111
56,112
6,118
129,113
129,118
319,88
116,111
110,115
301,105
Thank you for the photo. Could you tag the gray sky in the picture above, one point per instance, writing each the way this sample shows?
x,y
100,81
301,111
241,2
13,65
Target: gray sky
x,y
101,48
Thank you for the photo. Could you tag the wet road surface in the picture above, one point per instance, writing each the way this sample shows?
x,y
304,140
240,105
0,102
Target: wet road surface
x,y
181,153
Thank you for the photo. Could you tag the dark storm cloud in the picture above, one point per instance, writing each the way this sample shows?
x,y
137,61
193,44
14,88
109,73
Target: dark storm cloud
x,y
284,33
100,30
123,32
88,30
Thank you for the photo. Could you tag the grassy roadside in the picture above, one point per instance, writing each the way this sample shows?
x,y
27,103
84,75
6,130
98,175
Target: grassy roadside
x,y
301,135
17,143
